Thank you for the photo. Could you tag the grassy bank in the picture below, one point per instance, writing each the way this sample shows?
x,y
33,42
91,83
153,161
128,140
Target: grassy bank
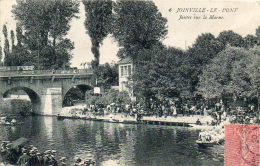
x,y
15,106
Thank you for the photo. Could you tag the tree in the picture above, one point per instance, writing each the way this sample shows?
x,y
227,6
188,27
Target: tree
x,y
20,55
7,60
257,33
165,74
254,69
107,75
231,38
137,25
97,23
45,23
12,48
244,76
19,35
12,38
230,73
112,96
205,48
250,41
1,55
63,52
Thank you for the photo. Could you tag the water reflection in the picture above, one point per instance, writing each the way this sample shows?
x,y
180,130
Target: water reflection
x,y
113,144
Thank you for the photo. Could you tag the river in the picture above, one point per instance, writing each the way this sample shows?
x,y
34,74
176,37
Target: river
x,y
112,144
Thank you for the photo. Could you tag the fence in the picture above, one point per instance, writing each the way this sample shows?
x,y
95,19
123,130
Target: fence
x,y
46,72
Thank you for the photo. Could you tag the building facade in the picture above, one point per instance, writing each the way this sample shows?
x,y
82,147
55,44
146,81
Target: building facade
x,y
125,68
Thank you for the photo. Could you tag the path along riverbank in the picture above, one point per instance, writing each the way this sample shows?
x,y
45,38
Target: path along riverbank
x,y
78,112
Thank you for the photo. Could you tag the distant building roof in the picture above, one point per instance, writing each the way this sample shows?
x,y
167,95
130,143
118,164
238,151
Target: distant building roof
x,y
125,61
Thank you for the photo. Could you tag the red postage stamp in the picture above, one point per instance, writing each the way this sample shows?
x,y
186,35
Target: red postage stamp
x,y
242,145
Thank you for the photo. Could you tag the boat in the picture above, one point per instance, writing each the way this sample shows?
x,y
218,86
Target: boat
x,y
60,117
2,120
12,123
201,127
209,143
3,117
114,121
89,162
210,138
19,142
206,144
16,143
6,124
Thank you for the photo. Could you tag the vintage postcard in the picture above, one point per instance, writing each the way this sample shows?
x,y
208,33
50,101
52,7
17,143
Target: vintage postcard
x,y
129,82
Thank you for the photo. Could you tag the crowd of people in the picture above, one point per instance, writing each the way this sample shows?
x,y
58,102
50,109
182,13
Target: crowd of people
x,y
174,108
30,156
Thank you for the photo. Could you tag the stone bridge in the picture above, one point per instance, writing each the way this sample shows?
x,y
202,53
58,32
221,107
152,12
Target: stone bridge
x,y
46,88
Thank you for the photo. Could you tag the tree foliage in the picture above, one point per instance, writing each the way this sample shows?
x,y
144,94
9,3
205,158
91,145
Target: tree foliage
x,y
166,73
233,71
250,41
112,96
7,60
20,55
19,35
12,38
137,25
205,48
46,23
97,23
254,69
231,38
1,54
257,33
107,75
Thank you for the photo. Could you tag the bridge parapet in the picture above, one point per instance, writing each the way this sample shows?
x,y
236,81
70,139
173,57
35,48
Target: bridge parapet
x,y
45,88
45,72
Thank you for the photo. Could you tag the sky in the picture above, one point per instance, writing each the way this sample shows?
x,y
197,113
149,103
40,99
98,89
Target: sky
x,y
181,33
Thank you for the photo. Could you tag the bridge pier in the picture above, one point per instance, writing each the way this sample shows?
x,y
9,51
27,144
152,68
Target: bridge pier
x,y
51,101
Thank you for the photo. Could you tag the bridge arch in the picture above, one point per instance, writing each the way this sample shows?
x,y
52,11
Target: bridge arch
x,y
76,91
33,95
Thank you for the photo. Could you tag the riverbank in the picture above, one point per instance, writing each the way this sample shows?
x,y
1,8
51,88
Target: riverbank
x,y
178,120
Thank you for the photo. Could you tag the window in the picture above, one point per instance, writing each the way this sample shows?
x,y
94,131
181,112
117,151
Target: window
x,y
125,70
129,70
122,71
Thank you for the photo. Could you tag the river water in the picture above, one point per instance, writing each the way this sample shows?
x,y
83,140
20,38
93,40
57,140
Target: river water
x,y
112,144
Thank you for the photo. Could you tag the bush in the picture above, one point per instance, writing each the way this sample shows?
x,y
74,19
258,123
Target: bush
x,y
21,106
15,106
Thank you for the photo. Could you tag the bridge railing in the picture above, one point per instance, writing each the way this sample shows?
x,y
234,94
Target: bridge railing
x,y
47,72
